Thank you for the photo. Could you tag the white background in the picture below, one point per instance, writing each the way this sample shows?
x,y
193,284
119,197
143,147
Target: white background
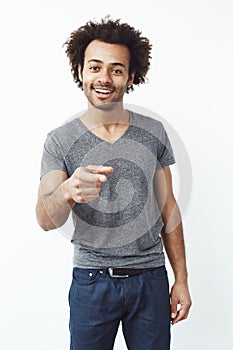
x,y
190,85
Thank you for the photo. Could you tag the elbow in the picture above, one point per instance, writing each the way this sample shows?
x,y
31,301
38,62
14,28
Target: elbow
x,y
49,222
43,220
46,226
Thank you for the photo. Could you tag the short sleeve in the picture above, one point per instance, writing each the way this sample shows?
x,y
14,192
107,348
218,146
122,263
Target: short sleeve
x,y
52,158
165,154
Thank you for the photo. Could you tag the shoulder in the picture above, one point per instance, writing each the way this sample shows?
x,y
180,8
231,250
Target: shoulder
x,y
69,127
65,135
147,123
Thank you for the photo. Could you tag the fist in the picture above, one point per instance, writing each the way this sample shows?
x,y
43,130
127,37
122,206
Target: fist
x,y
85,183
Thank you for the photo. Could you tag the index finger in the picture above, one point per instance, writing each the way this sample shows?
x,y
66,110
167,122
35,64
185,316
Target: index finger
x,y
100,169
106,170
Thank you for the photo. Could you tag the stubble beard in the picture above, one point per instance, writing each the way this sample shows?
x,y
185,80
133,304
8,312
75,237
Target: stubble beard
x,y
105,106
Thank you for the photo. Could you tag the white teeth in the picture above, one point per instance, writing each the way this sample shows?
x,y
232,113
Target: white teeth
x,y
103,91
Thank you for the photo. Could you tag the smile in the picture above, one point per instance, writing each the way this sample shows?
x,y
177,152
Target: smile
x,y
103,91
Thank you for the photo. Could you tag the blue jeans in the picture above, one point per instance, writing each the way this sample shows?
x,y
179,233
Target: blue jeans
x,y
99,302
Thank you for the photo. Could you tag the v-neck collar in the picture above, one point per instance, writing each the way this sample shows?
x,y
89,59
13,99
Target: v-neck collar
x,y
85,128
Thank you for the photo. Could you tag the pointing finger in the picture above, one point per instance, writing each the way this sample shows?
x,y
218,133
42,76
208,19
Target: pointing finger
x,y
100,169
106,170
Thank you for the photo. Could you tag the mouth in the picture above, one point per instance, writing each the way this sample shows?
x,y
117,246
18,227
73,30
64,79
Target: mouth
x,y
103,92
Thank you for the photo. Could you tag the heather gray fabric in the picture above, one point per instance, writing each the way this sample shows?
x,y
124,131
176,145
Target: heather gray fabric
x,y
122,227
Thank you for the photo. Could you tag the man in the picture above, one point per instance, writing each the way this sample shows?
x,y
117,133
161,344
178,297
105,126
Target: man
x,y
111,167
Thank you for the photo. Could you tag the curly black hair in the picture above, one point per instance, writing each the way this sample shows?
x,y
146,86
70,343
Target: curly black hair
x,y
111,32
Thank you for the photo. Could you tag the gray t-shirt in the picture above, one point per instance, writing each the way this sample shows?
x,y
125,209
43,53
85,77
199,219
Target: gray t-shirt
x,y
122,227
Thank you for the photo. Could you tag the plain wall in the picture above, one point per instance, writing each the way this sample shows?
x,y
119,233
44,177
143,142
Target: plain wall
x,y
190,86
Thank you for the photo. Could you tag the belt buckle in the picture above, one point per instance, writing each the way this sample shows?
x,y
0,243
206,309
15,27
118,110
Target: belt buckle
x,y
111,273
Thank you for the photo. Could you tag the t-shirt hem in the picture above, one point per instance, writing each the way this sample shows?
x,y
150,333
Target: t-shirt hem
x,y
156,263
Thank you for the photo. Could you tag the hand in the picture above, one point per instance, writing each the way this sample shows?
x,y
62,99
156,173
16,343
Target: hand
x,y
180,302
85,183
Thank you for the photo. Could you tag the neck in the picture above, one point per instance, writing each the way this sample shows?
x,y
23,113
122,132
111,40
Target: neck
x,y
95,116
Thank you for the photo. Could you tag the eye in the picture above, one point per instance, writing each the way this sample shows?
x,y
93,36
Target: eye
x,y
94,68
117,71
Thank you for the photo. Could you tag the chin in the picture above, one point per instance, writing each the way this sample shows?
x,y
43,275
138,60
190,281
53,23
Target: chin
x,y
105,106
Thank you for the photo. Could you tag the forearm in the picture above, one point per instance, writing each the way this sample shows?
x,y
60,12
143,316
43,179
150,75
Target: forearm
x,y
53,210
173,239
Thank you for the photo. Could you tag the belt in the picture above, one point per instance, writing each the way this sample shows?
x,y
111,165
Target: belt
x,y
124,272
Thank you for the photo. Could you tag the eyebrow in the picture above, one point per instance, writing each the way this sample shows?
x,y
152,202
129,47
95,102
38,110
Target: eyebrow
x,y
111,64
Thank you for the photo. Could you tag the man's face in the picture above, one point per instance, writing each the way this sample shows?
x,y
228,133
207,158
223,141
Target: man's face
x,y
105,74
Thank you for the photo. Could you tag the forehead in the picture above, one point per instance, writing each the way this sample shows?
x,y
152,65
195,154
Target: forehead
x,y
107,53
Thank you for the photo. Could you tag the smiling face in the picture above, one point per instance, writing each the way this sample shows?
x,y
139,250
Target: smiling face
x,y
105,74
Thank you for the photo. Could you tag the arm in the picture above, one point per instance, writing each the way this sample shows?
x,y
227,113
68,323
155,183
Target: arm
x,y
173,239
52,208
58,194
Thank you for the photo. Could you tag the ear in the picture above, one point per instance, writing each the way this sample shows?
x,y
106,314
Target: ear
x,y
131,79
80,72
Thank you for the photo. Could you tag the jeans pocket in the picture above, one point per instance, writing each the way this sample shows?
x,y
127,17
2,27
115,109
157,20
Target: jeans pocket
x,y
85,276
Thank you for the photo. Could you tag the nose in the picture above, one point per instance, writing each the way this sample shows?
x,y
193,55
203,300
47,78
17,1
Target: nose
x,y
104,76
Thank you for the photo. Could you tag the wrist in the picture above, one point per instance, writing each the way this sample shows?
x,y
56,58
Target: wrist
x,y
181,277
181,280
66,194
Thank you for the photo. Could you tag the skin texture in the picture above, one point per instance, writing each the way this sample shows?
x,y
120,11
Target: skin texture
x,y
106,67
